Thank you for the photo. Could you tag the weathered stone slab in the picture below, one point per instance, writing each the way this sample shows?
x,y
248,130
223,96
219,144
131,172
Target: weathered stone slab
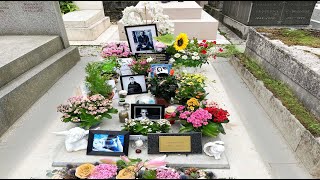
x,y
82,19
300,71
32,18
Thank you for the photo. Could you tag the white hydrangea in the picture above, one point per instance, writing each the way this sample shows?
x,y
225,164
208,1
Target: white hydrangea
x,y
132,16
177,55
184,57
150,59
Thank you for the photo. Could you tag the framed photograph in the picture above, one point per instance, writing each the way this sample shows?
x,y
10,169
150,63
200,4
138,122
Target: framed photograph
x,y
124,63
149,111
134,84
141,38
160,69
108,143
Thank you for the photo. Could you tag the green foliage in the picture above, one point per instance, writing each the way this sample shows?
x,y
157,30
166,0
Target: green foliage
x,y
97,83
303,37
121,164
143,127
211,129
285,94
229,50
67,6
149,174
163,87
167,39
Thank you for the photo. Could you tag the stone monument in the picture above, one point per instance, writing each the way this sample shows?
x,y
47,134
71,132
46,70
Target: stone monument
x,y
34,54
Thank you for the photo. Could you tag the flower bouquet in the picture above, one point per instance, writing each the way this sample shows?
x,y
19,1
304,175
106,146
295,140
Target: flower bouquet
x,y
117,49
204,117
143,127
190,85
128,168
141,66
188,53
88,111
163,87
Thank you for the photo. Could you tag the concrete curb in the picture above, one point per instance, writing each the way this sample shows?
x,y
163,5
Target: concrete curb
x,y
299,71
304,145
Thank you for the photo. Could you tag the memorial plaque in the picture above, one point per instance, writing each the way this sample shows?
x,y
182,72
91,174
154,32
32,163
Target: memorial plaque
x,y
175,143
158,57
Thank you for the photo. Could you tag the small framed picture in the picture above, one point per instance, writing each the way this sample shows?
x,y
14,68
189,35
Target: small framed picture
x,y
160,69
147,111
141,38
134,84
124,63
108,143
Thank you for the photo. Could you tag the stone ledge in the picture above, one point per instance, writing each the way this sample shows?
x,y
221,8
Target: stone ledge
x,y
304,145
300,72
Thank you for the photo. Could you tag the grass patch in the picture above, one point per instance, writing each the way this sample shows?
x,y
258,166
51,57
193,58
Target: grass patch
x,y
228,51
303,37
285,94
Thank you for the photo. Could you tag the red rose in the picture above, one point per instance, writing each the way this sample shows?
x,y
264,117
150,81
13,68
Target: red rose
x,y
220,50
214,42
167,116
204,41
204,52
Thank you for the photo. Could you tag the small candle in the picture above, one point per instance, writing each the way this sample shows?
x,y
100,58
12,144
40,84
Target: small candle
x,y
139,143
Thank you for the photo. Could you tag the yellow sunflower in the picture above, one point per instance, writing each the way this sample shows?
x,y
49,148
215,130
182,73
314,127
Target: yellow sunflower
x,y
181,42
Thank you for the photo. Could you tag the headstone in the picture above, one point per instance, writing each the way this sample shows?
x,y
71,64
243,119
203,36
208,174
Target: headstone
x,y
32,18
270,13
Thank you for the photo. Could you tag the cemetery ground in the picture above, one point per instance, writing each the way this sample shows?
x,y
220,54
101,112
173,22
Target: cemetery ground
x,y
255,148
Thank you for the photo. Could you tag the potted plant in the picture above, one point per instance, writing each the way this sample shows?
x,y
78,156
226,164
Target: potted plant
x,y
96,82
141,65
163,88
143,127
87,111
190,85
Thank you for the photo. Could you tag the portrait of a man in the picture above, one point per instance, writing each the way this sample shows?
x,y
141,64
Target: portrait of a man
x,y
133,86
143,40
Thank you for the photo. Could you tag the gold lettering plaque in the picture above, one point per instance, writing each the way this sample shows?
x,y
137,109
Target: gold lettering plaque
x,y
174,143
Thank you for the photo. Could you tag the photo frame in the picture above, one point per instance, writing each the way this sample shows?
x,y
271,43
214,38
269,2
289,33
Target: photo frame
x,y
125,69
141,38
108,143
160,69
151,111
134,84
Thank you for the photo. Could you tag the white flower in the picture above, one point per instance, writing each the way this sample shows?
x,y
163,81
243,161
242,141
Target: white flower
x,y
149,130
184,57
150,59
197,57
195,54
182,51
193,57
177,55
171,60
145,127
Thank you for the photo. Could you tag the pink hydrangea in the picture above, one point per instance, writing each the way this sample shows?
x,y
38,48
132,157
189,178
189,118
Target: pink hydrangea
x,y
104,171
184,115
180,108
199,118
115,49
167,174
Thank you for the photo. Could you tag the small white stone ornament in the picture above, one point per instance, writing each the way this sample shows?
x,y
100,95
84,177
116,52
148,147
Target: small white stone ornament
x,y
215,149
75,139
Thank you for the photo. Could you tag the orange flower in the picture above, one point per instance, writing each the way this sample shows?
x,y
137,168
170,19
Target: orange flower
x,y
84,170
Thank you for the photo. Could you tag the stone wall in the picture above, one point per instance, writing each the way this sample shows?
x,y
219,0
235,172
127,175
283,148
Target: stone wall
x,y
301,71
114,9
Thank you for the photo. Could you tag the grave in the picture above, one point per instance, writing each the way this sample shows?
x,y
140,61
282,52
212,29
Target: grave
x,y
188,17
315,18
88,23
192,160
34,54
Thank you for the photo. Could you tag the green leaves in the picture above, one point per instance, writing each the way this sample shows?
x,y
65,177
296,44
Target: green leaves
x,y
186,128
167,39
149,174
211,130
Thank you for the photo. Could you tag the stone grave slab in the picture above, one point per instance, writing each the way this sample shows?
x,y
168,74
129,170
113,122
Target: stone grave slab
x,y
191,160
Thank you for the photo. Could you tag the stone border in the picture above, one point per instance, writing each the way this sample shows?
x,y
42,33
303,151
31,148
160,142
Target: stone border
x,y
304,145
301,71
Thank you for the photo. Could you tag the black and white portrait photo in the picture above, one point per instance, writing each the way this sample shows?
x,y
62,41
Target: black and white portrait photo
x,y
141,38
147,111
112,143
134,84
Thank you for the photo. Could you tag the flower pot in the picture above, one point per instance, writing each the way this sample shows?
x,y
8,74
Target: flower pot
x,y
162,101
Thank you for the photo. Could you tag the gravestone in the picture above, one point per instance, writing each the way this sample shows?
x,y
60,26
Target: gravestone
x,y
114,9
32,18
270,13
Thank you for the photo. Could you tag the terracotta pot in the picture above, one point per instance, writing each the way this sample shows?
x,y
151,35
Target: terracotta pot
x,y
162,101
